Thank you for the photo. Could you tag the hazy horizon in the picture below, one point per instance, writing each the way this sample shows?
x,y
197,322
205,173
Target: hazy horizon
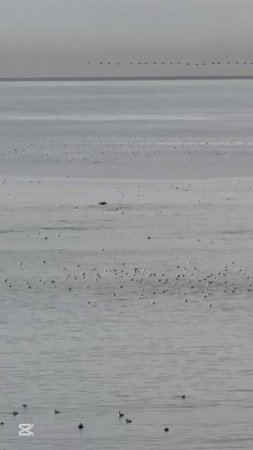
x,y
63,38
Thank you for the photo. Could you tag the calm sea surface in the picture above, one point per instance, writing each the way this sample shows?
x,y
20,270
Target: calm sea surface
x,y
126,129
134,304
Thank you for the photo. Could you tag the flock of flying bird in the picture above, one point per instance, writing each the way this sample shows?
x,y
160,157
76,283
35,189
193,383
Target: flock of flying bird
x,y
175,63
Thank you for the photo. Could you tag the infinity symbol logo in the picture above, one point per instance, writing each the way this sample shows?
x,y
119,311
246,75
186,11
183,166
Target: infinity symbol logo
x,y
25,429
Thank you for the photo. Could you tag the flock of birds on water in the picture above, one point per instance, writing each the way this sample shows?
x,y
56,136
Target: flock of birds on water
x,y
185,280
80,426
142,282
180,278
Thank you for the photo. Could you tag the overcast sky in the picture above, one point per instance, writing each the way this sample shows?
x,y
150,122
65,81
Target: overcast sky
x,y
59,37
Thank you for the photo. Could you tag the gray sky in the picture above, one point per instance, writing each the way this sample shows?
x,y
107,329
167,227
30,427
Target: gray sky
x,y
60,37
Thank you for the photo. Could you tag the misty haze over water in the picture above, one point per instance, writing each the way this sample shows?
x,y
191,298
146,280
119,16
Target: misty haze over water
x,y
59,38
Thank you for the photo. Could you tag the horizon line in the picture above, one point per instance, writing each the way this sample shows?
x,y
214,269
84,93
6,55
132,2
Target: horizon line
x,y
129,78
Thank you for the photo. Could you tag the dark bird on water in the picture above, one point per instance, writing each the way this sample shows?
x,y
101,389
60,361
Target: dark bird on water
x,y
80,426
120,415
166,429
56,411
24,405
128,421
